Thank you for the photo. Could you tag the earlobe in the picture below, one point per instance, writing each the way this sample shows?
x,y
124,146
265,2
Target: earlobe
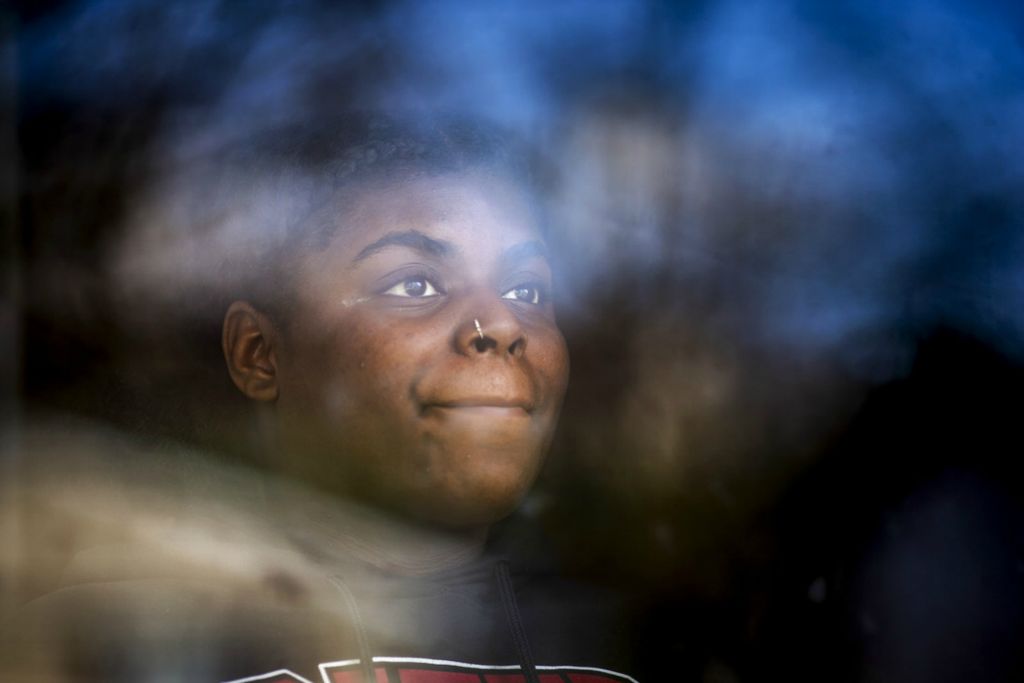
x,y
248,343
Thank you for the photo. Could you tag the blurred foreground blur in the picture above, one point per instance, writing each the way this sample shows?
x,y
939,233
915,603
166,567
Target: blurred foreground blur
x,y
791,241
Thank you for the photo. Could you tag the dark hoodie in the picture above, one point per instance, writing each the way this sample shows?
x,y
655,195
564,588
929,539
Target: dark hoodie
x,y
142,564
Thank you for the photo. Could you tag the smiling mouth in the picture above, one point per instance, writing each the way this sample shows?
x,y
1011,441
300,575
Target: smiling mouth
x,y
483,407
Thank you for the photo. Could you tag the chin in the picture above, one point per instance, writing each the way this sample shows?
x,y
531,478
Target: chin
x,y
474,504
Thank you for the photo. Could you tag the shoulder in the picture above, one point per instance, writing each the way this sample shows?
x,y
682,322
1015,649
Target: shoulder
x,y
126,558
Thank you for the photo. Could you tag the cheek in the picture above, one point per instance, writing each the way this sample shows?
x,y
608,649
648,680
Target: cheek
x,y
367,369
320,372
551,360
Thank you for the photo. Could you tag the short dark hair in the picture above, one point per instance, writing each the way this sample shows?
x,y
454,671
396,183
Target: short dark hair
x,y
316,160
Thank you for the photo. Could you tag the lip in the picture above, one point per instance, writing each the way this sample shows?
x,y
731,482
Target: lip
x,y
484,405
484,412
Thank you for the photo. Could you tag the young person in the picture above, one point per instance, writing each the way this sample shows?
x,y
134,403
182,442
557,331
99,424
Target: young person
x,y
399,343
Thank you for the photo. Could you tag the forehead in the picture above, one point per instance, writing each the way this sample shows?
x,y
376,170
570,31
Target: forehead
x,y
473,211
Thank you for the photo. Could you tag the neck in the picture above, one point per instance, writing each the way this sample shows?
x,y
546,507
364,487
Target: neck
x,y
335,529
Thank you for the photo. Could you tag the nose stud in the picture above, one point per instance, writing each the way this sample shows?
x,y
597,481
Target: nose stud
x,y
479,330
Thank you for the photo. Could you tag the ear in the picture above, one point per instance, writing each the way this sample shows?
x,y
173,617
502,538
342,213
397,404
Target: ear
x,y
248,340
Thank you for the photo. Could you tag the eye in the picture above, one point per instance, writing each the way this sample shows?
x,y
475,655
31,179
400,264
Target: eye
x,y
529,294
413,288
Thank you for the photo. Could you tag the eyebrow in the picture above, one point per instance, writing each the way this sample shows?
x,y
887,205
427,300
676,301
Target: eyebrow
x,y
526,251
412,239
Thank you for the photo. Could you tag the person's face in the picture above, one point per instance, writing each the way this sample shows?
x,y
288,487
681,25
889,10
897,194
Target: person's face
x,y
421,368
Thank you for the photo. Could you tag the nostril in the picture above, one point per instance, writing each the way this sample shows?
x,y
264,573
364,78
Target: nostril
x,y
483,344
516,347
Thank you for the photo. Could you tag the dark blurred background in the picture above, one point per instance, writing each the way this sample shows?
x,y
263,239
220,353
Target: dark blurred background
x,y
791,240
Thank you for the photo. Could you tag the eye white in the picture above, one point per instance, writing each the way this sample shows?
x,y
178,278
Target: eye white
x,y
410,289
524,293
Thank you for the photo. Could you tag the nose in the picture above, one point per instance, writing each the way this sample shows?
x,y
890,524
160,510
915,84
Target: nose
x,y
490,329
